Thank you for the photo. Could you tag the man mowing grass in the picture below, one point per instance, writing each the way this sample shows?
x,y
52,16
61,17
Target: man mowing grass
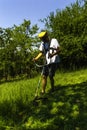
x,y
50,49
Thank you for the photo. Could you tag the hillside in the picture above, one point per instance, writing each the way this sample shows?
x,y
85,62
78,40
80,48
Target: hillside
x,y
64,109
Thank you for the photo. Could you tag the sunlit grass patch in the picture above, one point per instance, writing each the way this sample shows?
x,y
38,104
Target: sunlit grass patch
x,y
65,108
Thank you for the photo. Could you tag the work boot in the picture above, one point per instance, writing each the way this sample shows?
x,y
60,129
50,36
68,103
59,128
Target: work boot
x,y
52,89
42,93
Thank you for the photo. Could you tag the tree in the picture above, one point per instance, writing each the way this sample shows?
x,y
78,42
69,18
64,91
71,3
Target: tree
x,y
16,46
69,26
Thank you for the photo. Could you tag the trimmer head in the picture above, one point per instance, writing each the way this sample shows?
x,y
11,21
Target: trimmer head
x,y
37,100
40,98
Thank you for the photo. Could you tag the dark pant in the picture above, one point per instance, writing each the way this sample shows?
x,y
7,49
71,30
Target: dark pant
x,y
50,69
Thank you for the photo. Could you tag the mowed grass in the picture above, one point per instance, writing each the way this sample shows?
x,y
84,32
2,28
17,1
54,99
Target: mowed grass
x,y
64,109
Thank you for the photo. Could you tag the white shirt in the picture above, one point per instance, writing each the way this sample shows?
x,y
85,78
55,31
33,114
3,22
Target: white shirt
x,y
46,49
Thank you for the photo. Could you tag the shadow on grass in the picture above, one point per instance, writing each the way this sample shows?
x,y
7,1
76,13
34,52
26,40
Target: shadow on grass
x,y
65,109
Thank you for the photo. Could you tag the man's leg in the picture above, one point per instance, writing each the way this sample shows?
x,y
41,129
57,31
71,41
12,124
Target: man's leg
x,y
52,70
52,82
44,83
44,78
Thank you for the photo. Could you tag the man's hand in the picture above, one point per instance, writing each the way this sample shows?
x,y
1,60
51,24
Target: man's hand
x,y
33,59
37,57
50,55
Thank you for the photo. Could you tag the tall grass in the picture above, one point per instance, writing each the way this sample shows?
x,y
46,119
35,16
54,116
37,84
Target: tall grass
x,y
65,109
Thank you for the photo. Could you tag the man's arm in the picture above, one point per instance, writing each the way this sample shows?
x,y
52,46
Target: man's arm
x,y
38,56
55,53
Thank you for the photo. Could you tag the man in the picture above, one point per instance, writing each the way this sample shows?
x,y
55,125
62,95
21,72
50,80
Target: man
x,y
50,49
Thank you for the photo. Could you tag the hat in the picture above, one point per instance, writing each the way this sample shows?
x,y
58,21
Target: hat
x,y
42,34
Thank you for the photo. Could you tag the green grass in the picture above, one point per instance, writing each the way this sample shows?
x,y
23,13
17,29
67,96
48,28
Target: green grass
x,y
65,108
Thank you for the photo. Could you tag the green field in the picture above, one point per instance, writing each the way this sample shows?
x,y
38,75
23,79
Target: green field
x,y
65,108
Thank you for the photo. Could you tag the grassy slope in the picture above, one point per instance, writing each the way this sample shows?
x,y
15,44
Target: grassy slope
x,y
65,109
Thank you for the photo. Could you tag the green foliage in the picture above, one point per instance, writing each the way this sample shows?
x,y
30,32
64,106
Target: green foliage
x,y
18,44
69,26
16,50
